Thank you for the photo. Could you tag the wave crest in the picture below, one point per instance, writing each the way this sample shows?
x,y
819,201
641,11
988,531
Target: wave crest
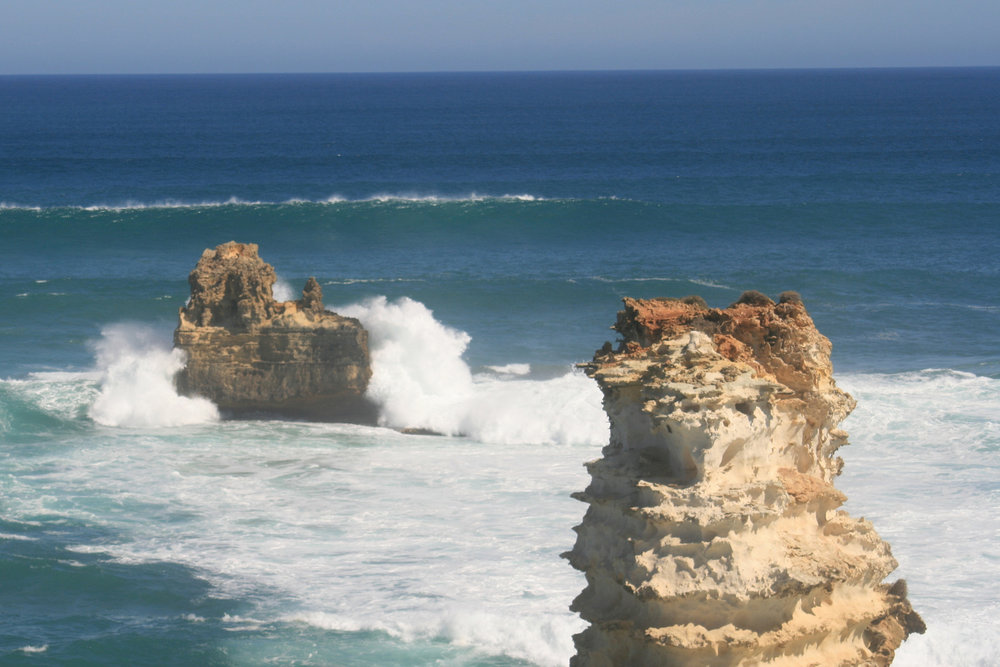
x,y
386,198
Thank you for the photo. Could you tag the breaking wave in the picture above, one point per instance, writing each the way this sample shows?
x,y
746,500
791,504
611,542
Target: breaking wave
x,y
137,388
420,381
381,198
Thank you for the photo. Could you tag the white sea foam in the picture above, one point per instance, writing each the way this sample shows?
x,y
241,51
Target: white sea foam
x,y
169,203
63,395
417,198
450,540
12,206
420,381
86,549
444,199
64,376
283,290
542,639
354,281
383,198
131,205
34,649
137,388
922,466
355,529
709,283
511,369
606,279
16,537
661,279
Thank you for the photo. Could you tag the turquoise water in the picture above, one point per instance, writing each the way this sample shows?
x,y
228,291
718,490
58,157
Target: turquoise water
x,y
484,227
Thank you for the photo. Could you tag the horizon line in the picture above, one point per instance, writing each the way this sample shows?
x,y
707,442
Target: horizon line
x,y
513,71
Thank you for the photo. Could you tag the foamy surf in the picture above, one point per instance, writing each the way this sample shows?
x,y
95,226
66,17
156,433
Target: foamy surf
x,y
360,530
430,540
416,198
420,381
235,202
511,369
909,432
137,388
534,636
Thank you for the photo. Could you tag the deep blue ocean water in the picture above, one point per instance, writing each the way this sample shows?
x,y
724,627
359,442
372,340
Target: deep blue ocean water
x,y
485,227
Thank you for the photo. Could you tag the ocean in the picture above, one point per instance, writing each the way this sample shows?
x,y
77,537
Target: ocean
x,y
484,227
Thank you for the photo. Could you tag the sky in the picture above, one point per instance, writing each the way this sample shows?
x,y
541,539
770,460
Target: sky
x,y
221,36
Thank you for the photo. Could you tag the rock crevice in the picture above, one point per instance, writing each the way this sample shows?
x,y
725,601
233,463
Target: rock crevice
x,y
713,534
250,354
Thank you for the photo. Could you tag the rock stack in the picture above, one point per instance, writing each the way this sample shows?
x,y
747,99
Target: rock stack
x,y
712,535
251,354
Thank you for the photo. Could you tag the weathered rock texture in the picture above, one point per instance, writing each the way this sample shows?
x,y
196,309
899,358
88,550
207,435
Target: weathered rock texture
x,y
249,353
713,535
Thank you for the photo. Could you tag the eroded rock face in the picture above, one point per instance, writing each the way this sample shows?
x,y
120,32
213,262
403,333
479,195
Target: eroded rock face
x,y
712,535
249,353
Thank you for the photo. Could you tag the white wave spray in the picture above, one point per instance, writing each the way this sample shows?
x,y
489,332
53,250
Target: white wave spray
x,y
420,381
923,465
282,290
137,388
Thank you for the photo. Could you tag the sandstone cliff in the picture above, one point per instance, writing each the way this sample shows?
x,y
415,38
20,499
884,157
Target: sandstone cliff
x,y
712,535
250,354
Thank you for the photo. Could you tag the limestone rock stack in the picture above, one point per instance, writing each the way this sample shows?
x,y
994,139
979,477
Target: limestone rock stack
x,y
249,353
713,534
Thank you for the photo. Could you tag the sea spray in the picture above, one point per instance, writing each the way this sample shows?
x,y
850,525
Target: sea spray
x,y
137,388
420,381
924,462
419,378
282,290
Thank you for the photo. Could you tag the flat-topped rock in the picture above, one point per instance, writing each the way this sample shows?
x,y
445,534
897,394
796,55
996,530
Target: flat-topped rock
x,y
251,354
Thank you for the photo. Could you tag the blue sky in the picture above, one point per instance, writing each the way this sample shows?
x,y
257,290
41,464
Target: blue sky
x,y
136,36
